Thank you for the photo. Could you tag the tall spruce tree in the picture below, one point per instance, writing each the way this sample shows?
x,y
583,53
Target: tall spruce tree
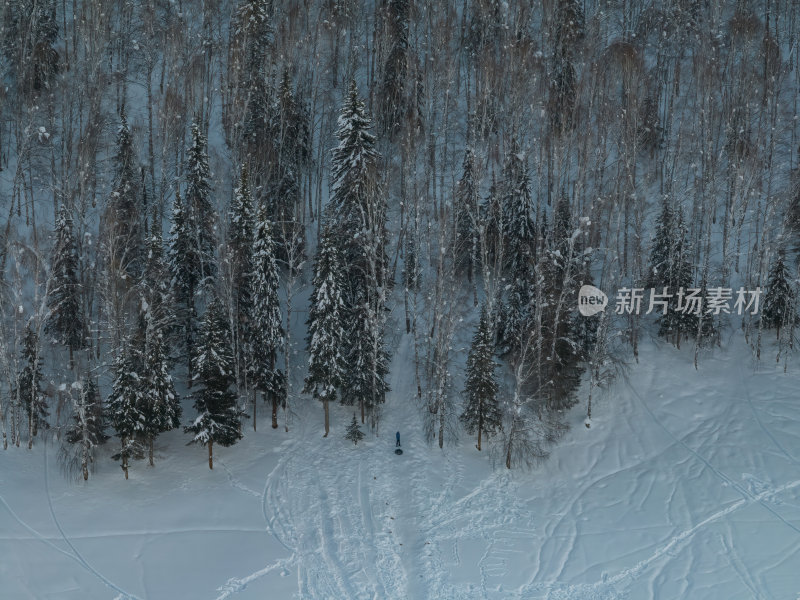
x,y
394,92
779,298
125,218
125,403
661,250
241,237
65,321
267,328
519,229
29,385
563,270
671,269
481,410
155,281
200,210
466,217
359,211
184,280
519,239
87,430
326,333
218,416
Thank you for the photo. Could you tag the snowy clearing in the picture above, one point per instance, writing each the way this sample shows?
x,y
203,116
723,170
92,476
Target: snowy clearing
x,y
686,486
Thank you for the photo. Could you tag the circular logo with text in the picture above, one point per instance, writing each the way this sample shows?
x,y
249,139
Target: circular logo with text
x,y
591,300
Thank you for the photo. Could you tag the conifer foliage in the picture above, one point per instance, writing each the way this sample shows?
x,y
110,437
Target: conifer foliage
x,y
125,222
359,211
481,410
266,329
65,320
326,335
779,299
126,402
354,433
218,416
671,271
161,409
29,385
192,259
241,236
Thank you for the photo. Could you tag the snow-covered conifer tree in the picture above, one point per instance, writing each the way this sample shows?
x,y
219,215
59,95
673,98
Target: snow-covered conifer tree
x,y
184,281
200,211
326,334
125,403
29,385
359,211
466,217
125,244
218,416
519,229
161,408
266,328
481,410
671,248
779,297
65,320
241,236
354,433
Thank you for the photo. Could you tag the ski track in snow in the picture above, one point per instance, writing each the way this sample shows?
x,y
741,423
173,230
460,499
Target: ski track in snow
x,y
78,556
728,481
235,483
608,587
763,427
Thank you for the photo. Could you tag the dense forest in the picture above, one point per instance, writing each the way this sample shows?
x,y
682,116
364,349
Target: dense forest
x,y
217,210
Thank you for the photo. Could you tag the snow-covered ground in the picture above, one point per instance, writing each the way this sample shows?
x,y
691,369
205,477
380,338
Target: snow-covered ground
x,y
686,486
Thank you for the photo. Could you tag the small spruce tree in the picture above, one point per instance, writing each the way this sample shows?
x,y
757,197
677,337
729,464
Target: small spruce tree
x,y
779,297
481,411
354,433
125,402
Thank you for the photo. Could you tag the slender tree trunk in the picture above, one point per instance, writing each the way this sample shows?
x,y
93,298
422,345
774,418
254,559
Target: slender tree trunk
x,y
361,404
274,396
150,456
189,311
480,430
210,455
30,427
255,402
327,416
589,408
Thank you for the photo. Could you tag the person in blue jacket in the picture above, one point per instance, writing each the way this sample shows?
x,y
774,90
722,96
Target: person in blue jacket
x,y
397,435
